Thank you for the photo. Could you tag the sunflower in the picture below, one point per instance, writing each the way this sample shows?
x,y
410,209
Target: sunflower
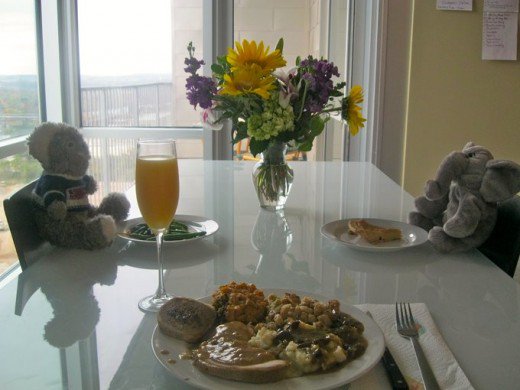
x,y
248,79
249,53
351,111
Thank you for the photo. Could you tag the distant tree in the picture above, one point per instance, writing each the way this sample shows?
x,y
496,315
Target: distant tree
x,y
19,111
20,168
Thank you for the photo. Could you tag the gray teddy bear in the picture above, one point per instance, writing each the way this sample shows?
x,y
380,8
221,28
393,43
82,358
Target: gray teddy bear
x,y
459,208
63,213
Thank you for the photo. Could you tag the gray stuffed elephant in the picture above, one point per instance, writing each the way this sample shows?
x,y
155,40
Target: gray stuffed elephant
x,y
459,208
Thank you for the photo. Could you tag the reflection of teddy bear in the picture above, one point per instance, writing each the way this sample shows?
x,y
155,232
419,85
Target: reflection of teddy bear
x,y
68,286
63,214
459,208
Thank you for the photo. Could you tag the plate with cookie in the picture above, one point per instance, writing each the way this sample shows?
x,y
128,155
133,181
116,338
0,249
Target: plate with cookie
x,y
375,235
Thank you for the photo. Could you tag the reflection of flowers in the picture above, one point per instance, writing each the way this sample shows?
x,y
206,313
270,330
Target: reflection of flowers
x,y
271,233
272,237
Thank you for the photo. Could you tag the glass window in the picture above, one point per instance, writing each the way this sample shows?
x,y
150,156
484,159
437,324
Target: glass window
x,y
132,64
19,107
336,130
19,110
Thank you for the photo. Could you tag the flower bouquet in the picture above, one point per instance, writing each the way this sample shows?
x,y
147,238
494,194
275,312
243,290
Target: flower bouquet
x,y
273,108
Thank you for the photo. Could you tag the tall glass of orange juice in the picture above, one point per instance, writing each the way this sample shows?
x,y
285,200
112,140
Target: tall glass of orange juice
x,y
157,190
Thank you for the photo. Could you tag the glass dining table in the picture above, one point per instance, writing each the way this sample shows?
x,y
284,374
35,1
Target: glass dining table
x,y
71,319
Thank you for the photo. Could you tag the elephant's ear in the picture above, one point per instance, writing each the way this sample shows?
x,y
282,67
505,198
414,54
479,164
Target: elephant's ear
x,y
470,144
501,180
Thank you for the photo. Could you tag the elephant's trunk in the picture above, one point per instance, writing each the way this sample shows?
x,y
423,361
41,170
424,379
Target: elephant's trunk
x,y
451,168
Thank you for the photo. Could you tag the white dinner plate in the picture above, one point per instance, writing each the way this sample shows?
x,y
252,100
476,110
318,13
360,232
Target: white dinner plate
x,y
412,235
194,223
185,371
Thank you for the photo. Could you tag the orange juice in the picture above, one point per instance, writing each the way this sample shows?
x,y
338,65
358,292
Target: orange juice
x,y
157,189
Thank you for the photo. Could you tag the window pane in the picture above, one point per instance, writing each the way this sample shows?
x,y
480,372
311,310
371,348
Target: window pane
x,y
336,130
296,21
15,172
19,107
19,110
132,59
112,165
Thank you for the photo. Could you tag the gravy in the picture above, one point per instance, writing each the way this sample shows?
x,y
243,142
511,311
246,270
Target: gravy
x,y
230,346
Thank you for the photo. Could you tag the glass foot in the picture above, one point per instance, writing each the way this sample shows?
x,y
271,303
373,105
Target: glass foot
x,y
153,303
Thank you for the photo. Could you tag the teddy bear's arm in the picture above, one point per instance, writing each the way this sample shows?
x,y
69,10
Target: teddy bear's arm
x,y
57,210
54,202
51,196
90,184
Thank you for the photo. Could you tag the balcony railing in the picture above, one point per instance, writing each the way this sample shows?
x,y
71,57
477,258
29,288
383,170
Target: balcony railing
x,y
112,165
147,105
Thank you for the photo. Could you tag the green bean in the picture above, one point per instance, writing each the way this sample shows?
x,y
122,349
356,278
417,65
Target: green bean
x,y
177,225
174,237
176,231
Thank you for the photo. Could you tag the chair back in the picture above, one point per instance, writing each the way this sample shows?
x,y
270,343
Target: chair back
x,y
19,211
503,246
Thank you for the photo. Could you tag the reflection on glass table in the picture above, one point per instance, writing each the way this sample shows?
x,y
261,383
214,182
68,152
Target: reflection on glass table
x,y
272,238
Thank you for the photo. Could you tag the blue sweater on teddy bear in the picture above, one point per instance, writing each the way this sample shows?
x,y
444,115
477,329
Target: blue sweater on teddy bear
x,y
72,191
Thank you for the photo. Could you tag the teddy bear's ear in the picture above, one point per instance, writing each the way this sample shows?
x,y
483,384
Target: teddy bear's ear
x,y
39,140
500,181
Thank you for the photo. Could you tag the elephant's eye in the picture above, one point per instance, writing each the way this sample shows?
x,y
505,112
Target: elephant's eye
x,y
70,145
471,155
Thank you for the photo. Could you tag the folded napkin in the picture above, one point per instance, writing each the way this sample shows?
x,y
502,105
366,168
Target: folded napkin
x,y
445,367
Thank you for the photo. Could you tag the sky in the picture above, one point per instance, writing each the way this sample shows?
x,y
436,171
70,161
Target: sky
x,y
17,37
117,37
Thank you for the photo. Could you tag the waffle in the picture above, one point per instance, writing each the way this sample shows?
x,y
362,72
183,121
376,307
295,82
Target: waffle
x,y
372,233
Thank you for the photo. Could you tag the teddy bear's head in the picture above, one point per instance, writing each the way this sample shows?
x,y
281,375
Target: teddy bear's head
x,y
60,149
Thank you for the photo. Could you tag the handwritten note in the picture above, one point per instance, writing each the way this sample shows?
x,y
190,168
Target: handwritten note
x,y
501,5
499,36
455,5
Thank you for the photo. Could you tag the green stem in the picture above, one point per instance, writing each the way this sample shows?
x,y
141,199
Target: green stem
x,y
333,109
303,99
274,176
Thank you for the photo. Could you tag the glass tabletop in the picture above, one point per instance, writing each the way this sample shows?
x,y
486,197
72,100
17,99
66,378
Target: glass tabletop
x,y
71,319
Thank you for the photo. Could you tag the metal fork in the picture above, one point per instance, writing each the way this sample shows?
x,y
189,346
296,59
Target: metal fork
x,y
407,328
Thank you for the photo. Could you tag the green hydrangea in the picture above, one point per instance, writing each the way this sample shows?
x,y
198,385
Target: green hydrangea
x,y
273,120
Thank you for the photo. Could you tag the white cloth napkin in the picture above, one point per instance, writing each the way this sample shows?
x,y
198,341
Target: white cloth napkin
x,y
445,367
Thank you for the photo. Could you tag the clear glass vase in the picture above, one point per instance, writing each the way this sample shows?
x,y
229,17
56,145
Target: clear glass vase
x,y
273,177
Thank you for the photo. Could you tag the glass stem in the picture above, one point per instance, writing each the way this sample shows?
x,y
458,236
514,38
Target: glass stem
x,y
159,240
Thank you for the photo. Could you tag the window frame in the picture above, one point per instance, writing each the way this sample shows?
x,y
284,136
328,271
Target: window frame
x,y
62,71
59,85
366,51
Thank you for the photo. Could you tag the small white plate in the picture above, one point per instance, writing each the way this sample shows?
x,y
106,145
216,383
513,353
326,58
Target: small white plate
x,y
194,223
185,371
412,235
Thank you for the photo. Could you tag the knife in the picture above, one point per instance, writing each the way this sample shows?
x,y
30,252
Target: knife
x,y
392,369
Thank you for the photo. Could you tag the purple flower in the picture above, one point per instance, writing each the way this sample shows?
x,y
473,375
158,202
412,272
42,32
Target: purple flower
x,y
200,90
311,81
192,65
317,74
